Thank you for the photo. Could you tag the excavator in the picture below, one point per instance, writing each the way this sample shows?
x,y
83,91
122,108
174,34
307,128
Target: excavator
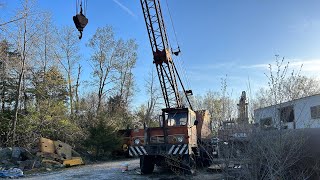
x,y
182,140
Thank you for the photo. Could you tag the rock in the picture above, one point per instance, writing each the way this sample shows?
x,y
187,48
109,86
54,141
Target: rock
x,y
48,169
7,164
5,153
48,156
4,161
29,164
57,166
46,145
26,155
64,150
16,153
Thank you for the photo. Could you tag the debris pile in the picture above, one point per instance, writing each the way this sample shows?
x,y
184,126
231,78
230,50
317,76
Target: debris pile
x,y
51,154
58,153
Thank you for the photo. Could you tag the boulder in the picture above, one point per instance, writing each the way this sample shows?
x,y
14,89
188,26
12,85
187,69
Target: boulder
x,y
64,150
5,153
16,153
29,164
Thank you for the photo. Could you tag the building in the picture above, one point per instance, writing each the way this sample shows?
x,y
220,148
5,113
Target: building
x,y
295,114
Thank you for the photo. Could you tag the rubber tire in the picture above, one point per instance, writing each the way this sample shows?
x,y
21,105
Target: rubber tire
x,y
146,164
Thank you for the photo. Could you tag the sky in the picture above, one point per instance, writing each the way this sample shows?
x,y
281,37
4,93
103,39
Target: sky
x,y
236,39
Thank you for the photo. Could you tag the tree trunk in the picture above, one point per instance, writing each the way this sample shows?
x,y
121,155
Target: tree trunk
x,y
77,105
21,75
70,91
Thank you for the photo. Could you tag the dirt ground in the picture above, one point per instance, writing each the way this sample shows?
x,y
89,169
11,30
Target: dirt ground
x,y
113,170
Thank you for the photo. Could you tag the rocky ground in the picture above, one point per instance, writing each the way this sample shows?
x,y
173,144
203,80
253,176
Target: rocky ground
x,y
113,170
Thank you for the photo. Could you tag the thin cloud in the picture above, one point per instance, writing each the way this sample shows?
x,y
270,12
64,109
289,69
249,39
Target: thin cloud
x,y
125,8
308,66
255,66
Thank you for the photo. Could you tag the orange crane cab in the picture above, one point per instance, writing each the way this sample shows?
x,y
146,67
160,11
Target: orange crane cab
x,y
177,135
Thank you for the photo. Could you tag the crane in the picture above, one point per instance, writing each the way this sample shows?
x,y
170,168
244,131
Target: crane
x,y
180,129
166,69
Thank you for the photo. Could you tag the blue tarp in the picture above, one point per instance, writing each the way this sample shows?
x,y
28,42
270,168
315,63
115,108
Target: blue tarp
x,y
11,173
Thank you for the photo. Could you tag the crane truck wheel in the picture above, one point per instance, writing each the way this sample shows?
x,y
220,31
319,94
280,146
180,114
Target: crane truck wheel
x,y
146,164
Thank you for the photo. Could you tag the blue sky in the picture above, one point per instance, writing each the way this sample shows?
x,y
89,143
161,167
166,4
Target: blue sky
x,y
234,37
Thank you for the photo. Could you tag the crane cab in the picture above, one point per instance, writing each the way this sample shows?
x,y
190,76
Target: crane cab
x,y
173,117
180,121
177,134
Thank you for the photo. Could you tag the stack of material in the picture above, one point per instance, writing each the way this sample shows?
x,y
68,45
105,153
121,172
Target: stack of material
x,y
58,153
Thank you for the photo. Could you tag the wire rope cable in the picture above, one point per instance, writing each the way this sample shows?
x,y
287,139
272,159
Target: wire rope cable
x,y
77,4
180,64
174,31
85,7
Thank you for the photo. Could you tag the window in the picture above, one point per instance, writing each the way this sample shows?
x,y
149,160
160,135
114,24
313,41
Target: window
x,y
266,122
287,114
177,119
315,112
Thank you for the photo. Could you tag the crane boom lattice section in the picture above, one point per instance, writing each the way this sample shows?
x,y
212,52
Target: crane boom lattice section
x,y
166,69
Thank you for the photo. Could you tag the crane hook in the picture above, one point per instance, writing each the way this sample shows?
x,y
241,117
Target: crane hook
x,y
80,21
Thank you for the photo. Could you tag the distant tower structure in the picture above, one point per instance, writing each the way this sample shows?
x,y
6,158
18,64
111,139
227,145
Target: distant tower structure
x,y
243,117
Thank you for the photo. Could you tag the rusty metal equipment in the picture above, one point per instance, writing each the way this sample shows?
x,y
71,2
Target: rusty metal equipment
x,y
80,21
166,68
183,134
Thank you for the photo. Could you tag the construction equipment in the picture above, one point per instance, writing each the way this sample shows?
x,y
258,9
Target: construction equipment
x,y
179,141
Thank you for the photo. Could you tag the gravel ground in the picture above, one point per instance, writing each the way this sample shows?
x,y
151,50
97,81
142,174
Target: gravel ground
x,y
112,170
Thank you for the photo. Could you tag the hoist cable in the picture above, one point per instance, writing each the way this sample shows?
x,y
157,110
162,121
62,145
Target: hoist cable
x,y
77,2
174,31
184,72
85,4
182,68
84,7
81,9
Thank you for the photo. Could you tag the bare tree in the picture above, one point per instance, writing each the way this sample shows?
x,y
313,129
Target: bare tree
x,y
24,36
285,86
104,62
112,61
76,90
68,56
147,112
45,54
126,61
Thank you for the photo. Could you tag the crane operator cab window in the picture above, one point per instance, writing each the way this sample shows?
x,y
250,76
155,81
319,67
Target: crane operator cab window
x,y
177,119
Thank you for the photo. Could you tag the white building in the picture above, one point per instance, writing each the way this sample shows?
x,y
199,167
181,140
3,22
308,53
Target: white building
x,y
295,114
